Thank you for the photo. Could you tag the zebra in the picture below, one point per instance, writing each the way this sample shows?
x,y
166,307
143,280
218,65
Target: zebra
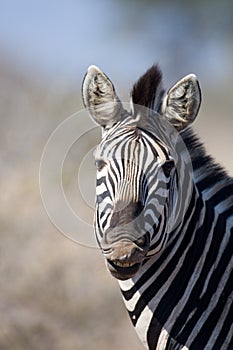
x,y
164,212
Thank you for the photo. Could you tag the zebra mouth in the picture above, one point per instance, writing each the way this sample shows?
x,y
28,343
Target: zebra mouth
x,y
122,270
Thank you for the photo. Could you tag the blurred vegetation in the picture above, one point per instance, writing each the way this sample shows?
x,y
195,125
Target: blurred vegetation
x,y
186,4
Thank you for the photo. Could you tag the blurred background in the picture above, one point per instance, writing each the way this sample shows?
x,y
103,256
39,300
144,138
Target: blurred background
x,y
56,294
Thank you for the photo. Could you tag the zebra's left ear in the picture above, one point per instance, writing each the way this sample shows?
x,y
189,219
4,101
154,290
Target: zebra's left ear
x,y
100,98
182,102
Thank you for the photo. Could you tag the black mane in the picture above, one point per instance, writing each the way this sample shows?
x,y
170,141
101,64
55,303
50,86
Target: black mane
x,y
147,87
200,159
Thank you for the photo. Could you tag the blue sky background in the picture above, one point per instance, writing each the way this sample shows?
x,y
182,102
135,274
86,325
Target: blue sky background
x,y
60,39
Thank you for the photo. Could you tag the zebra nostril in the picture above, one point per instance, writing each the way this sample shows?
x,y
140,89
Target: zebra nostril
x,y
141,241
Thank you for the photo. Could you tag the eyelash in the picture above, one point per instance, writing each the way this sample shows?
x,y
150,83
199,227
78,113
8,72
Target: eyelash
x,y
100,164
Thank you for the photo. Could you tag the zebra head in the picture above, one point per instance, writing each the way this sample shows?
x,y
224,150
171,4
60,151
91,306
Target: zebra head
x,y
137,162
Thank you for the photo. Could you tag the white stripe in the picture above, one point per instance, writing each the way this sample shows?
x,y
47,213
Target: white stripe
x,y
101,189
162,339
143,324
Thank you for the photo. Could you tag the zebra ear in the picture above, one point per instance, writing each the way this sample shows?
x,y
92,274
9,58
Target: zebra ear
x,y
182,102
100,98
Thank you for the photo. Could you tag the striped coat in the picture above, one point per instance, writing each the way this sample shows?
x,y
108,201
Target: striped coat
x,y
164,213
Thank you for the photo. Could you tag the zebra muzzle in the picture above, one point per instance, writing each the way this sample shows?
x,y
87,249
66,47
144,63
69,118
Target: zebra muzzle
x,y
124,258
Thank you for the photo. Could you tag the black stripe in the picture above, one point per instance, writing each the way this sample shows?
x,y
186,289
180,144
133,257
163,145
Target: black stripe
x,y
108,207
100,181
99,227
158,228
103,195
112,184
153,333
210,180
105,221
112,174
157,141
224,332
207,328
194,300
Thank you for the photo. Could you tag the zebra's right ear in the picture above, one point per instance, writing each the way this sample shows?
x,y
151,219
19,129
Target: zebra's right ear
x,y
100,98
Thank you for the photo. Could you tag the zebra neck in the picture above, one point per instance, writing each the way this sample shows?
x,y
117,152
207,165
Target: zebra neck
x,y
176,290
186,288
150,297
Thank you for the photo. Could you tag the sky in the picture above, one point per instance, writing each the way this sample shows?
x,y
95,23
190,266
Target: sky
x,y
62,38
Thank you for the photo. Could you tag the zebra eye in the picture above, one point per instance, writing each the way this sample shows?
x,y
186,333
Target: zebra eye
x,y
167,167
100,164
